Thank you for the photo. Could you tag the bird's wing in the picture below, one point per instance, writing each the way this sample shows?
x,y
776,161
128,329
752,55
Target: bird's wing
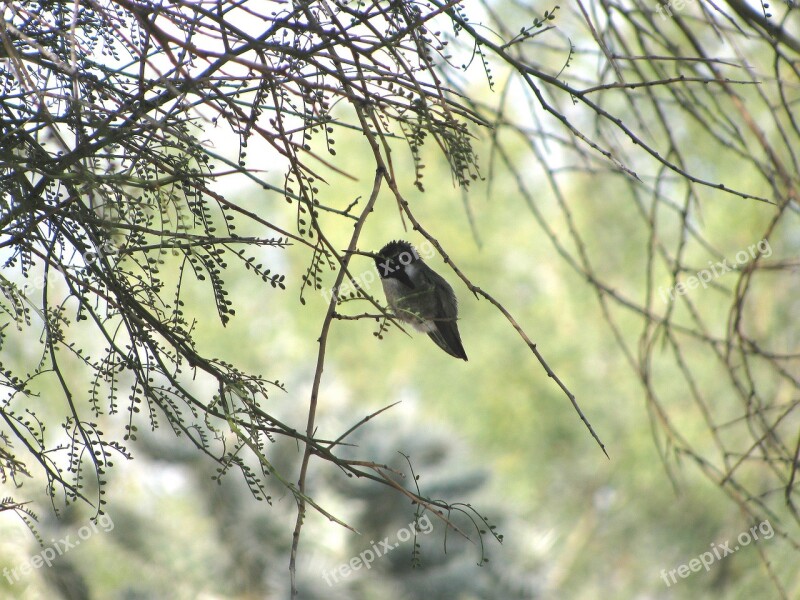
x,y
445,333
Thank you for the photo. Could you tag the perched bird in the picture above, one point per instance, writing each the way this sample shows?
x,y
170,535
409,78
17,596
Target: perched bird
x,y
419,296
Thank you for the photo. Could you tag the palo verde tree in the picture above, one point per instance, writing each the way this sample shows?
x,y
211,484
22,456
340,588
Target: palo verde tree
x,y
114,209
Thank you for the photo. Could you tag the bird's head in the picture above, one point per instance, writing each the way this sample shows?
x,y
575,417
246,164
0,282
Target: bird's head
x,y
394,257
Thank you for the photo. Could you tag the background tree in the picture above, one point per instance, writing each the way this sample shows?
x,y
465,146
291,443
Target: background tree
x,y
674,123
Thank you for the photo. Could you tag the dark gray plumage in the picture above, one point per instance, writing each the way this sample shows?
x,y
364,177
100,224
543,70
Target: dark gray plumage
x,y
419,296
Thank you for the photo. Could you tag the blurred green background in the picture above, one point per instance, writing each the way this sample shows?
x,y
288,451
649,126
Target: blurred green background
x,y
494,432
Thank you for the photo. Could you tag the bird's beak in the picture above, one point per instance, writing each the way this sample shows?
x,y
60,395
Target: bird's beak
x,y
371,255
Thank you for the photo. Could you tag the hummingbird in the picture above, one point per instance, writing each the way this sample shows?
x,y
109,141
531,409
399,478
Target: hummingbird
x,y
419,296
